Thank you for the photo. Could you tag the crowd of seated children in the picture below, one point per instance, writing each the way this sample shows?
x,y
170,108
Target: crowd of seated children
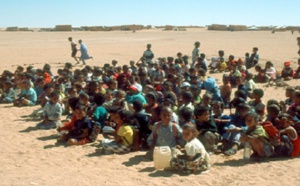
x,y
149,104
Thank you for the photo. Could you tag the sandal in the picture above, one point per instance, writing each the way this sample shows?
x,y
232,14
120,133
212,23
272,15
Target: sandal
x,y
230,152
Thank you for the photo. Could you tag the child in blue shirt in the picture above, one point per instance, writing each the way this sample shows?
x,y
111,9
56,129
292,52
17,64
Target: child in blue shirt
x,y
28,95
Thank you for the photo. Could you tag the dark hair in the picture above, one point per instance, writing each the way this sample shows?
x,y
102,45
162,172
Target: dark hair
x,y
243,106
254,115
186,113
126,116
219,103
84,95
73,102
273,109
99,99
289,88
54,94
137,105
259,92
151,95
200,110
297,94
272,102
81,108
285,115
187,95
202,72
191,127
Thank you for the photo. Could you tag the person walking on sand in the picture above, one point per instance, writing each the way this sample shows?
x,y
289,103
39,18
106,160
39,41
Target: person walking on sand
x,y
84,52
195,53
74,50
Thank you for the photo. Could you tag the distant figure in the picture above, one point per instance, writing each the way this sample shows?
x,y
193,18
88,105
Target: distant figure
x,y
195,53
148,54
298,39
254,58
74,50
84,52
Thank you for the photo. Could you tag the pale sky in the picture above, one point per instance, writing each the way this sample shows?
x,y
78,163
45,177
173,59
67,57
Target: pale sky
x,y
48,13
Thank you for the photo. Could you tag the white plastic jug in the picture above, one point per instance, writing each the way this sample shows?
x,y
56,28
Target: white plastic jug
x,y
162,157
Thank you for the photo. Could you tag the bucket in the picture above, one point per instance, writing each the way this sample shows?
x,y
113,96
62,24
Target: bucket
x,y
162,157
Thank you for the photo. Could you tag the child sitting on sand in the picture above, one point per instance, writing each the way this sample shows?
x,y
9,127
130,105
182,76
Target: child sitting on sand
x,y
261,76
164,132
195,158
208,132
256,103
27,97
80,132
287,72
257,137
9,93
52,113
286,129
124,139
271,71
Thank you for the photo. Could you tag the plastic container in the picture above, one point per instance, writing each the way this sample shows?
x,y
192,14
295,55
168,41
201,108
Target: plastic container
x,y
247,151
162,157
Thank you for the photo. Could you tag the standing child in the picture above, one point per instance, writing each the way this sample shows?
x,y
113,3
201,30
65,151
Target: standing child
x,y
208,132
195,53
52,113
124,138
257,137
226,90
195,158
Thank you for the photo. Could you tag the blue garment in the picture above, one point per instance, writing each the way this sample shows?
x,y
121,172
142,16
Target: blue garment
x,y
135,97
220,125
29,93
84,52
210,85
100,115
39,91
243,88
164,136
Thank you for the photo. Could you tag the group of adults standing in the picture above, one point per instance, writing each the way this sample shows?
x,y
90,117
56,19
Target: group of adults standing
x,y
83,50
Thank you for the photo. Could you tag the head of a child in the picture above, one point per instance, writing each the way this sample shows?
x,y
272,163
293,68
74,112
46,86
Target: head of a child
x,y
112,84
187,97
289,91
218,108
255,49
206,99
47,68
124,117
258,68
72,92
99,99
285,120
185,86
251,119
226,79
80,112
273,111
70,38
137,106
239,80
167,86
269,64
54,97
258,93
197,44
189,132
26,84
186,114
247,54
221,53
287,65
231,58
151,98
202,114
296,97
166,115
84,98
249,76
7,85
109,95
242,109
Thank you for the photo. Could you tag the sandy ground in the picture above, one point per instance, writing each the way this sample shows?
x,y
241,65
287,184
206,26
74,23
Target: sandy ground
x,y
32,157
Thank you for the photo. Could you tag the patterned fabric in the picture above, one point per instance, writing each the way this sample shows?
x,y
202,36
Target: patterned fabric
x,y
114,147
196,166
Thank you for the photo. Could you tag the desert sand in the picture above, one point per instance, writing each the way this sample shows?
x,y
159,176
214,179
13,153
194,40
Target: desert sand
x,y
32,157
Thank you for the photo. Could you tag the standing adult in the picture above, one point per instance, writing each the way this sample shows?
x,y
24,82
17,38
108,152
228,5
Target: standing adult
x,y
148,54
74,49
195,53
84,52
